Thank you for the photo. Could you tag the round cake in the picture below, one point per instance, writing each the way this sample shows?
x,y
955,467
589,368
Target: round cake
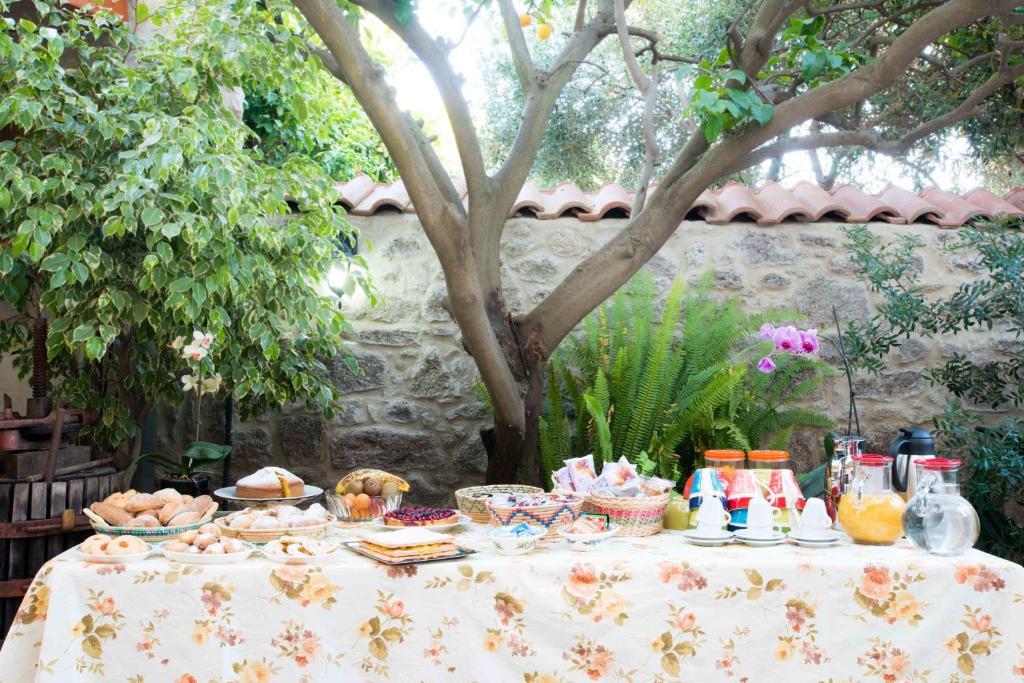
x,y
269,482
421,517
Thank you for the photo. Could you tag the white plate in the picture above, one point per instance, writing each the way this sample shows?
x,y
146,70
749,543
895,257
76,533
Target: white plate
x,y
463,519
309,492
198,558
692,536
756,541
112,559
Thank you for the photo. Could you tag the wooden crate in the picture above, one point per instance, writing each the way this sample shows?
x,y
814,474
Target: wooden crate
x,y
59,524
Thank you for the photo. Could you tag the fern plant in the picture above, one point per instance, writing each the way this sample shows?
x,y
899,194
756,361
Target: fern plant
x,y
661,389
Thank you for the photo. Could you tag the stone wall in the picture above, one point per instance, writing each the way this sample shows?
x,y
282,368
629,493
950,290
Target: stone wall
x,y
413,409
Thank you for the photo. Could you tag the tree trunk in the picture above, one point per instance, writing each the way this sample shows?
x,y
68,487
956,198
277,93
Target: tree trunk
x,y
515,454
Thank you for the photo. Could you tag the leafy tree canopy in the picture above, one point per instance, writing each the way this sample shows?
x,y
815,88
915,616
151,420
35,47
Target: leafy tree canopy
x,y
133,211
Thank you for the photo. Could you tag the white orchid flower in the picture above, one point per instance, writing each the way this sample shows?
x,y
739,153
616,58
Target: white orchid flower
x,y
194,352
211,385
177,343
203,339
188,382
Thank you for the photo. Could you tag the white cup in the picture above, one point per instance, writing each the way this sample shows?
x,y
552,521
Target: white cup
x,y
762,519
814,522
711,517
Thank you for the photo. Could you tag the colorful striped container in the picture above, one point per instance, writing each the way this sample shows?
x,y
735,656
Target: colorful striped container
x,y
635,516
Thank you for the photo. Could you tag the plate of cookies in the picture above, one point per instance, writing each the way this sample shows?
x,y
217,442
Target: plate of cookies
x,y
206,545
299,550
158,516
107,549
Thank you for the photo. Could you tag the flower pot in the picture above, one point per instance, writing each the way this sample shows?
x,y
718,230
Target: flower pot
x,y
192,486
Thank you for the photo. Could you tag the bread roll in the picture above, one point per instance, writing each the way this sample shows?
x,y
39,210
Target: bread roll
x,y
201,504
168,511
168,495
183,518
111,514
177,546
143,501
143,521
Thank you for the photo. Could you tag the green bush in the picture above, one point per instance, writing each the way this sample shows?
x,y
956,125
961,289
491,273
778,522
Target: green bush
x,y
994,455
659,390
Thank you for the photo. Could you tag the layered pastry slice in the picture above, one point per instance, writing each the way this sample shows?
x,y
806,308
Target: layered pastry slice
x,y
409,545
269,482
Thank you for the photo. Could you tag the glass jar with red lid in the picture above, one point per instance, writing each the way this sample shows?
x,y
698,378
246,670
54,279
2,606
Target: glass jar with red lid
x,y
871,512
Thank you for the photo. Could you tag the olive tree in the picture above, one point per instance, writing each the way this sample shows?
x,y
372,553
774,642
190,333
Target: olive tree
x,y
783,66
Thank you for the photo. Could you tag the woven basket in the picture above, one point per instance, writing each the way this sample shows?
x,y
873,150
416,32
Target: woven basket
x,y
262,536
635,516
565,509
148,534
472,501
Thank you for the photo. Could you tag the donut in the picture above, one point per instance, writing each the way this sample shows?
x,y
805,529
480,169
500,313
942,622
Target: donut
x,y
96,544
123,545
204,540
210,528
214,549
188,536
177,546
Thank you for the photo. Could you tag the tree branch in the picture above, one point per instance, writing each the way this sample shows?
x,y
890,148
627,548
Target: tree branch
x,y
877,143
430,52
413,156
598,276
648,88
521,59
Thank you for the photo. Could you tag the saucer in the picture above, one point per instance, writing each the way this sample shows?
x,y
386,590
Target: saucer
x,y
722,538
757,541
831,539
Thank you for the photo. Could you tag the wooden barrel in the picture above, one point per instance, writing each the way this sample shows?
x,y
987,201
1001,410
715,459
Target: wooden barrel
x,y
38,521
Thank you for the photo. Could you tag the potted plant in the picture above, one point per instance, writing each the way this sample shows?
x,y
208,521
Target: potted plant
x,y
186,474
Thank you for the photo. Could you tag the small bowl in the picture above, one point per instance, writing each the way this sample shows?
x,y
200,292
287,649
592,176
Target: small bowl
x,y
379,506
508,544
588,542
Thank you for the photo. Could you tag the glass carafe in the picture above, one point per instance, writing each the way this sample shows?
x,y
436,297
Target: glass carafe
x,y
871,512
938,519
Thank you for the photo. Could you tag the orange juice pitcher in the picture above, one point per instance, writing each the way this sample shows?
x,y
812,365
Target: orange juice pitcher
x,y
871,512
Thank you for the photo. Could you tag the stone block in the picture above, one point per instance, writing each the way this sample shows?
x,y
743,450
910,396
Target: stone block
x,y
539,269
399,412
764,246
816,240
301,439
816,298
384,448
373,370
388,336
775,281
566,242
891,385
472,456
349,413
440,381
403,245
433,306
469,411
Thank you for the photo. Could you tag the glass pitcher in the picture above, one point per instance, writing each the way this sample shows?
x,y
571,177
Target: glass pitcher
x,y
871,512
937,518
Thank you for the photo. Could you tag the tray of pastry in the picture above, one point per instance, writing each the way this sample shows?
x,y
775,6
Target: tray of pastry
x,y
408,546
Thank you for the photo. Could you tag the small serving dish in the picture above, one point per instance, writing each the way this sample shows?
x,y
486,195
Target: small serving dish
x,y
361,507
201,558
97,558
588,542
508,543
318,551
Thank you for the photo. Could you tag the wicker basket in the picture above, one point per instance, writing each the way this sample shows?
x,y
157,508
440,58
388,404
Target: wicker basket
x,y
635,516
148,534
564,509
472,501
262,536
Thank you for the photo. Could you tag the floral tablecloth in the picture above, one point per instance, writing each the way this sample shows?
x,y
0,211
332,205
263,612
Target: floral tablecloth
x,y
653,609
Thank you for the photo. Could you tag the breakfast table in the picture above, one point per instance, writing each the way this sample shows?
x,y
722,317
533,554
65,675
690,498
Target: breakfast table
x,y
633,609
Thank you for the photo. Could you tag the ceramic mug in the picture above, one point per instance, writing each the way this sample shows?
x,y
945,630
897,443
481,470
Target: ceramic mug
x,y
814,521
762,519
711,516
707,484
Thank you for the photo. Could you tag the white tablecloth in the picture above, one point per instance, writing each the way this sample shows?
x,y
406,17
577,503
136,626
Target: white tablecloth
x,y
652,609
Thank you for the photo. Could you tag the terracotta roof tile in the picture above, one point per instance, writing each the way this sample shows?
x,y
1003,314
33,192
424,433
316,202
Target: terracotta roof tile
x,y
769,205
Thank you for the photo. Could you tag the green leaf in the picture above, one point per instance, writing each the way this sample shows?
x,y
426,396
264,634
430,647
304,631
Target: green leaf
x,y
182,284
55,262
95,348
82,332
151,215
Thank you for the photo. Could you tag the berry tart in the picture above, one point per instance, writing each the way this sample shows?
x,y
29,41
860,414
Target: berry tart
x,y
421,517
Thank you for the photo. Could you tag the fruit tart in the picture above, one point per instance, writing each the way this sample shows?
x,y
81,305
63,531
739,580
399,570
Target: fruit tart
x,y
415,516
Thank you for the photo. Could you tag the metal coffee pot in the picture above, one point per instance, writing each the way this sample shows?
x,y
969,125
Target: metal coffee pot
x,y
913,445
